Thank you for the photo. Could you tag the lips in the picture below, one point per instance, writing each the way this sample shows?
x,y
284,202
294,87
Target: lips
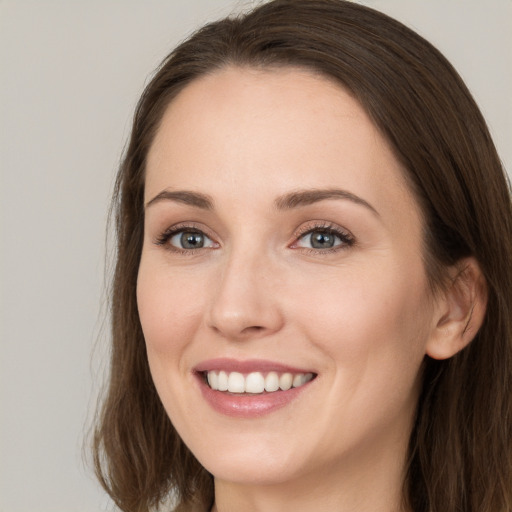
x,y
250,388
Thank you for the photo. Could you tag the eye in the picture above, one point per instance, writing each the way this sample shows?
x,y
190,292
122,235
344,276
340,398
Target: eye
x,y
185,239
324,238
190,240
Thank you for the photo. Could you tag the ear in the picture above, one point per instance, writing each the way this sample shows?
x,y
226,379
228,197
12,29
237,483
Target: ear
x,y
460,310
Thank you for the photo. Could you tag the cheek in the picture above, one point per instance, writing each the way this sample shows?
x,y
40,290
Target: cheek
x,y
170,308
373,332
170,312
378,319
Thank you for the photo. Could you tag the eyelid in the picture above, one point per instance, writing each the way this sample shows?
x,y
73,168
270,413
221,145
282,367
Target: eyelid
x,y
165,236
208,243
346,237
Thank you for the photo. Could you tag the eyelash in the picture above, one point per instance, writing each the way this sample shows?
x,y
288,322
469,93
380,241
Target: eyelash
x,y
346,238
164,238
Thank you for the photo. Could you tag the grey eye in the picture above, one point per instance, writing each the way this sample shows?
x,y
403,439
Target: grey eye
x,y
190,240
322,240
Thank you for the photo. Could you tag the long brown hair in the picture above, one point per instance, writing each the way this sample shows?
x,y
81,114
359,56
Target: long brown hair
x,y
460,450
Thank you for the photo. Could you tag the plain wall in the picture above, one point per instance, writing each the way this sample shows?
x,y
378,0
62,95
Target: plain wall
x,y
70,75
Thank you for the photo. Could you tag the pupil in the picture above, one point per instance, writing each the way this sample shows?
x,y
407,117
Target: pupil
x,y
192,240
322,240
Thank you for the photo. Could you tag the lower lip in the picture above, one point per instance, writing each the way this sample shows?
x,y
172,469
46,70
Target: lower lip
x,y
246,405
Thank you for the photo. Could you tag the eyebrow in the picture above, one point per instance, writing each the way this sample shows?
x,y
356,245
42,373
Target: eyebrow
x,y
196,199
289,201
310,196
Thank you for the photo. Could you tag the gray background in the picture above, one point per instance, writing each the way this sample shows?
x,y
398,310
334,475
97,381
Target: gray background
x,y
70,74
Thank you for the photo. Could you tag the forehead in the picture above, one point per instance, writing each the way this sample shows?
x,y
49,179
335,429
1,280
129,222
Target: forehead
x,y
242,130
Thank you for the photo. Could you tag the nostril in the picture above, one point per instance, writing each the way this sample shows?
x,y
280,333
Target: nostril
x,y
253,328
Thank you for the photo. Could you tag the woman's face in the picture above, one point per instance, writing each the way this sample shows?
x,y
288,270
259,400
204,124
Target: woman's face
x,y
282,246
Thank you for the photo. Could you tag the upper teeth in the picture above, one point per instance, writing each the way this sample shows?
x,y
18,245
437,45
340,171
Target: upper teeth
x,y
255,382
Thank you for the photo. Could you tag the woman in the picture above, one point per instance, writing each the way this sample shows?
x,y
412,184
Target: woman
x,y
311,303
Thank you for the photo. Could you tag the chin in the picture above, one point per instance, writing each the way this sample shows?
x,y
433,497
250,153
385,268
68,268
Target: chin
x,y
241,469
249,459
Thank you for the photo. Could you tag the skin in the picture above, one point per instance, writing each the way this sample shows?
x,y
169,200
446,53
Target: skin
x,y
361,317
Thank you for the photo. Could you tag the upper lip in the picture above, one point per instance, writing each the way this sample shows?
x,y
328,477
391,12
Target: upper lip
x,y
247,366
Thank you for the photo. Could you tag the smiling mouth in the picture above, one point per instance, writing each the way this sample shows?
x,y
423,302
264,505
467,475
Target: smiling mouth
x,y
255,383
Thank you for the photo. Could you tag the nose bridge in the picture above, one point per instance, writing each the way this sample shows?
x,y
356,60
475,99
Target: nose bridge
x,y
244,302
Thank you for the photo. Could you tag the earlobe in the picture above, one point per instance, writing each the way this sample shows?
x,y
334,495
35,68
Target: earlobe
x,y
460,311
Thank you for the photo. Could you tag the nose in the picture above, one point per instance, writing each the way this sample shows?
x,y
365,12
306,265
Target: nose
x,y
245,303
